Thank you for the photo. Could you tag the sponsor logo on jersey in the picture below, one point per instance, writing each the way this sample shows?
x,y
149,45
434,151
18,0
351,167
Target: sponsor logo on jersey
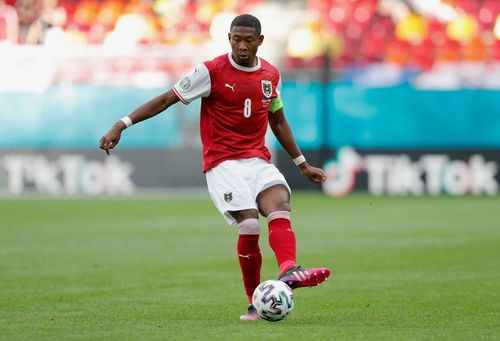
x,y
185,83
267,88
230,86
228,197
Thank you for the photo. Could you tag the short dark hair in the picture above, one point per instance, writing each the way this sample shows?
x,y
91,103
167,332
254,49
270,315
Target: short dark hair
x,y
246,20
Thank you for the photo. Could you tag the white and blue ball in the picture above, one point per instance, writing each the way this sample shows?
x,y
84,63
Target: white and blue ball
x,y
273,300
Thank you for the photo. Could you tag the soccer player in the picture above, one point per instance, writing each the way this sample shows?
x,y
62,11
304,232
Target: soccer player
x,y
240,96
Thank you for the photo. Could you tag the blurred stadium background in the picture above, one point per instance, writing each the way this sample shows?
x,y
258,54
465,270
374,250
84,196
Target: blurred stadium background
x,y
391,97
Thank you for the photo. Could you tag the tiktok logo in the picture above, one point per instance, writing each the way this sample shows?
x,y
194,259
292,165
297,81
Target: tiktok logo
x,y
342,172
406,174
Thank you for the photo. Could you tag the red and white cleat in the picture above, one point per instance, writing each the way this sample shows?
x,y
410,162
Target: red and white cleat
x,y
250,315
298,277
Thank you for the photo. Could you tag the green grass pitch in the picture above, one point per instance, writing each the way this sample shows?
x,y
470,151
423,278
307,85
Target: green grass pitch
x,y
164,269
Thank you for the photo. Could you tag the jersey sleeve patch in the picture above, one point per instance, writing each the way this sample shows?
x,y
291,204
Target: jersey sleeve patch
x,y
276,104
194,85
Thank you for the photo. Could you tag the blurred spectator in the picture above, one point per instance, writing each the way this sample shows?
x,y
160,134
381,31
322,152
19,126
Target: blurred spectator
x,y
8,23
40,21
53,18
31,27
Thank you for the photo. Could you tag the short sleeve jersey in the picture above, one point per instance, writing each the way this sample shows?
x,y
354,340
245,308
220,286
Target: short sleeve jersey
x,y
234,107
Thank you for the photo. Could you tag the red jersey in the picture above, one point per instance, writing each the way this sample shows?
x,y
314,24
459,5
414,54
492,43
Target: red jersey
x,y
234,107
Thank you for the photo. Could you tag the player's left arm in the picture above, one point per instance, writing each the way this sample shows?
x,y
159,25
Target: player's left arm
x,y
282,131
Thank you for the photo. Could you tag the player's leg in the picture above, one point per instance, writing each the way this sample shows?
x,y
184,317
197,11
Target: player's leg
x,y
234,200
249,255
274,203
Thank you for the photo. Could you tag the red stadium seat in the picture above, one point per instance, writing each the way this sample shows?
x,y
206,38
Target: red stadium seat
x,y
423,54
450,51
373,48
495,50
475,50
398,52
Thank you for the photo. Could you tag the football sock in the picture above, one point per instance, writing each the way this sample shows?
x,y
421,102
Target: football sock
x,y
282,239
249,255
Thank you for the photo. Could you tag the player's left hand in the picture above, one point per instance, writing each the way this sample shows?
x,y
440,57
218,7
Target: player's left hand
x,y
314,174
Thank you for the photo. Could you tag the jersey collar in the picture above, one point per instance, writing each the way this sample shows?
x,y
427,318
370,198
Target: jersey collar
x,y
243,68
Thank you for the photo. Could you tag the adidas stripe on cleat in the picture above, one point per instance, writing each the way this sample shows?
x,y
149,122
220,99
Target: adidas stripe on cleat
x,y
298,277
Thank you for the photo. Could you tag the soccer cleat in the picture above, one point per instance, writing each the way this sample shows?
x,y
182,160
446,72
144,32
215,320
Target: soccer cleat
x,y
250,315
298,277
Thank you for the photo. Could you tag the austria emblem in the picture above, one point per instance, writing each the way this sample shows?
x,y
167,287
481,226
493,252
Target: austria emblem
x,y
267,88
228,197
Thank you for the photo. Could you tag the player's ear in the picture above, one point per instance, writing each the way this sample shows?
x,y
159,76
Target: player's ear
x,y
229,36
261,39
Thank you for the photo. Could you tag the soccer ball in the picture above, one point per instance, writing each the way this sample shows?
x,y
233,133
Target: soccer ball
x,y
273,300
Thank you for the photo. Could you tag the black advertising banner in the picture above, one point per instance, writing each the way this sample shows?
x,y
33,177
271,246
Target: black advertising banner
x,y
402,172
130,171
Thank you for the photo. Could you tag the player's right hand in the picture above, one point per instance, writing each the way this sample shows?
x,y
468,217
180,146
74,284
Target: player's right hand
x,y
110,139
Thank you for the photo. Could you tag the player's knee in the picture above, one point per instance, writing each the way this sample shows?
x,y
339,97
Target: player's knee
x,y
275,198
279,206
283,206
249,226
239,216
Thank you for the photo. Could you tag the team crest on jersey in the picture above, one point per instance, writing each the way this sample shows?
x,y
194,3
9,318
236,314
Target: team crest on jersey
x,y
228,197
267,88
185,83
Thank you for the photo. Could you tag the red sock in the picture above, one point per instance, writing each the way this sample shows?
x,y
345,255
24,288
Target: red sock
x,y
282,239
250,262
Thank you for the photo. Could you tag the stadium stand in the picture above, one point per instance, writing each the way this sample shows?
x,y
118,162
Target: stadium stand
x,y
406,33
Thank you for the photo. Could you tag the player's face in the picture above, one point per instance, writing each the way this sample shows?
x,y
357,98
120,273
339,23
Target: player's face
x,y
244,45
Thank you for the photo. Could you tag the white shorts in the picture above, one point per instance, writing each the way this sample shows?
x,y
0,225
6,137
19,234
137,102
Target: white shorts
x,y
234,184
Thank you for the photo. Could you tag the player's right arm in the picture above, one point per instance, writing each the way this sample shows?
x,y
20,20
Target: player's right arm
x,y
194,85
145,111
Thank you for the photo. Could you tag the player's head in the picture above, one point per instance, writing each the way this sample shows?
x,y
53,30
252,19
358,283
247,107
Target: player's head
x,y
245,38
